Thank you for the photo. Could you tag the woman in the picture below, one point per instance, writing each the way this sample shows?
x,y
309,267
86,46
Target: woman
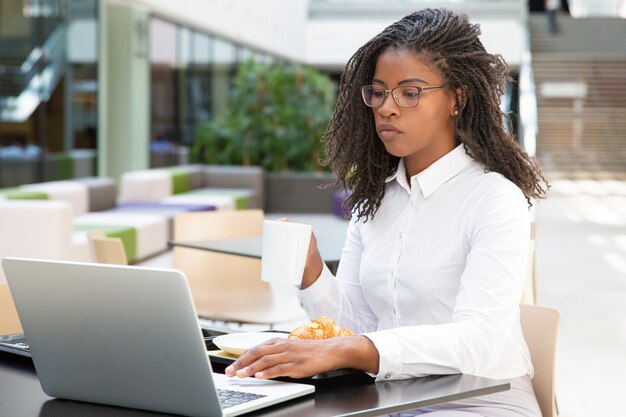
x,y
436,253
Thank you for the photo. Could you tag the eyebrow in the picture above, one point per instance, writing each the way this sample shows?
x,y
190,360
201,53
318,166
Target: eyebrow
x,y
410,80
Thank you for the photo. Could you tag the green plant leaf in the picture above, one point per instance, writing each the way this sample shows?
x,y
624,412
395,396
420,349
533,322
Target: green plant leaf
x,y
276,117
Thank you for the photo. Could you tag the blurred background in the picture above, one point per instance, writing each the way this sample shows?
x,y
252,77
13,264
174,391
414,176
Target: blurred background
x,y
102,87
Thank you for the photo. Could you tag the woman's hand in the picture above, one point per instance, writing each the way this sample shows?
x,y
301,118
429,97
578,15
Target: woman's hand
x,y
297,358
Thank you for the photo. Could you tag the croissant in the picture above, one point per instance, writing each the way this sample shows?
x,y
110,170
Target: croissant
x,y
320,328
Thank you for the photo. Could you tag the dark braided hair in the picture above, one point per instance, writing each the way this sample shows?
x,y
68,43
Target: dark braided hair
x,y
450,42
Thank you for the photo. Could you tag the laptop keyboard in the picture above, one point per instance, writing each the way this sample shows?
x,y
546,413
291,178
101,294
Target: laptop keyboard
x,y
15,343
22,345
229,398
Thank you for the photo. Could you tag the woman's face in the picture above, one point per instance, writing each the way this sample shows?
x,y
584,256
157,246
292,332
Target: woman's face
x,y
422,134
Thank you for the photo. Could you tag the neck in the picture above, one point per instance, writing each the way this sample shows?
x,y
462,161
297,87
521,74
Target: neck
x,y
415,164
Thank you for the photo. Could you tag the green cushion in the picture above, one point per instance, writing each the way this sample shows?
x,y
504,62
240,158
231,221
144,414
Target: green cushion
x,y
242,203
180,180
21,194
128,235
63,165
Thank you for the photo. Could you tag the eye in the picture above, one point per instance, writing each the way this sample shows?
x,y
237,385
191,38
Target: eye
x,y
378,92
410,92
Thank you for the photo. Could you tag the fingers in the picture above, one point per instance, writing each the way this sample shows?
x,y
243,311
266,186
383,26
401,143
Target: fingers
x,y
278,357
269,366
241,367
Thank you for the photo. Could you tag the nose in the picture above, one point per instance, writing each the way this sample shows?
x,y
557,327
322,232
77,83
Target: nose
x,y
389,107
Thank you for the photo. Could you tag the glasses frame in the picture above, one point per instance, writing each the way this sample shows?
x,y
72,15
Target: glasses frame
x,y
394,96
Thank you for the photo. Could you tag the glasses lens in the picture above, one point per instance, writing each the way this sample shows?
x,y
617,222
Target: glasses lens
x,y
406,96
373,96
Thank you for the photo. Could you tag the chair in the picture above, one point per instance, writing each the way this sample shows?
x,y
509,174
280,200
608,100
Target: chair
x,y
540,326
228,287
9,321
107,250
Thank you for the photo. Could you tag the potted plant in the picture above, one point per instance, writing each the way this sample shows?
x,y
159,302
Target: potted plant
x,y
276,118
277,115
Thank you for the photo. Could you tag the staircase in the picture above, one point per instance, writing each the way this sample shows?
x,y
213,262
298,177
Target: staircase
x,y
29,72
580,79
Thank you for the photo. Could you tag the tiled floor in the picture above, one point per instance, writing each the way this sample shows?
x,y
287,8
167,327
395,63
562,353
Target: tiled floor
x,y
581,271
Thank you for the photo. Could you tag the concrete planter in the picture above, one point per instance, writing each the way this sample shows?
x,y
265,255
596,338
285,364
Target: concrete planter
x,y
299,192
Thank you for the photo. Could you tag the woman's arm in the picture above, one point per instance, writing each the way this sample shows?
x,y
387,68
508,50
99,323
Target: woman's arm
x,y
341,298
313,266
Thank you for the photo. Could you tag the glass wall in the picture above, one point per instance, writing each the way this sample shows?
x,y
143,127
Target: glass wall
x,y
191,77
164,123
82,55
48,89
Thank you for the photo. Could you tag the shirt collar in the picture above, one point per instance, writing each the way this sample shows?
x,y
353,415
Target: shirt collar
x,y
437,174
400,176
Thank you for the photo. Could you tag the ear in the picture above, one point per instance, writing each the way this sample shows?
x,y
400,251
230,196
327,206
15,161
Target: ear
x,y
453,98
458,100
461,94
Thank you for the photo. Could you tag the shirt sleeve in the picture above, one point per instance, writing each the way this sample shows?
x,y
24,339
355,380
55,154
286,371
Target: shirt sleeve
x,y
341,297
486,306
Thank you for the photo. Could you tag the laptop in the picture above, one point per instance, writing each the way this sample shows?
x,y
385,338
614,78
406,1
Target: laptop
x,y
126,336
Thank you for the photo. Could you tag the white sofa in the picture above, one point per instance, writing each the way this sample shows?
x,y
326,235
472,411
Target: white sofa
x,y
146,202
40,229
148,232
73,192
224,187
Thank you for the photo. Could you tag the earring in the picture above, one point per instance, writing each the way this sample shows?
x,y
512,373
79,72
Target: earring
x,y
456,112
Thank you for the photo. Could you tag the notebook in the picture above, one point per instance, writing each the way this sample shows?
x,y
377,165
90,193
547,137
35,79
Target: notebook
x,y
126,336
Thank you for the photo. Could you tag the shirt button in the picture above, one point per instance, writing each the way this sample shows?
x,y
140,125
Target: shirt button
x,y
387,376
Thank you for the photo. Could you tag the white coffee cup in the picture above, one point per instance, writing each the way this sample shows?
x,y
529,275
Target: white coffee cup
x,y
284,251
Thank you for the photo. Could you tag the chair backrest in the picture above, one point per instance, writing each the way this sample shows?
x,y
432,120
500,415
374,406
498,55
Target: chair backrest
x,y
228,287
9,321
540,327
107,250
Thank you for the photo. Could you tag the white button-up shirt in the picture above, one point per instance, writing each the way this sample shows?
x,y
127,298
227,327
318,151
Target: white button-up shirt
x,y
434,280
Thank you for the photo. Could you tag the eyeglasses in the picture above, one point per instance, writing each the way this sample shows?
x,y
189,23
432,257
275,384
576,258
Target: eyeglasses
x,y
404,95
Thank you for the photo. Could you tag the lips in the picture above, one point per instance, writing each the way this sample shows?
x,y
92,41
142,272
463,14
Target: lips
x,y
388,131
